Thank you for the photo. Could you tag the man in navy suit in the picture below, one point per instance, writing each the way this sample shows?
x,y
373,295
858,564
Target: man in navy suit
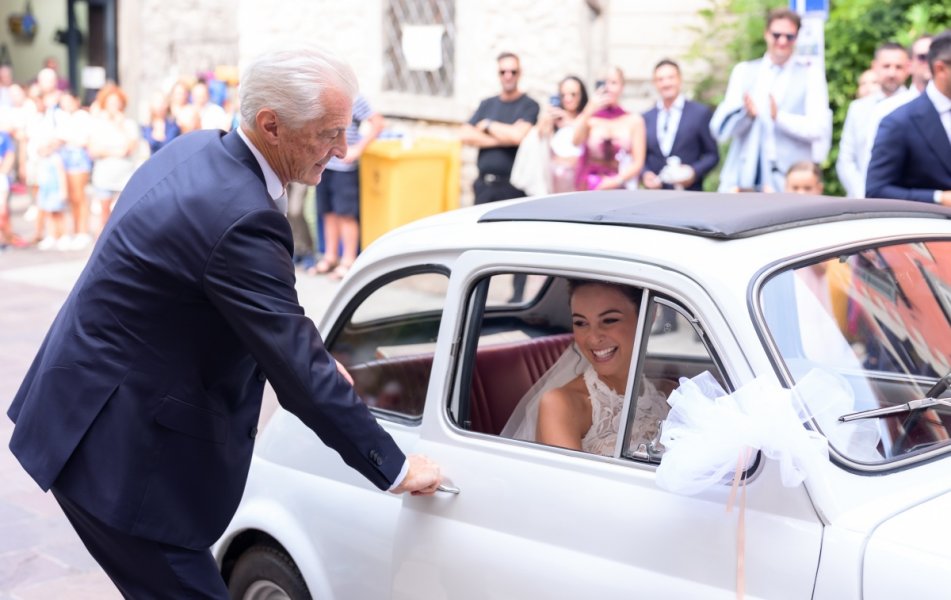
x,y
680,128
140,409
911,158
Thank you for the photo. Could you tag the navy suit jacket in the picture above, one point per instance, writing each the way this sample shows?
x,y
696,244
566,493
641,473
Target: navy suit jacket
x,y
693,142
911,157
142,403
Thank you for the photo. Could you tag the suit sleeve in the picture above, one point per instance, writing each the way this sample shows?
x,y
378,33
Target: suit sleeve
x,y
847,165
889,154
709,151
250,280
816,123
730,118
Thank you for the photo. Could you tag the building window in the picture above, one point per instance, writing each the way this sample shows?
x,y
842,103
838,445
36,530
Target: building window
x,y
419,47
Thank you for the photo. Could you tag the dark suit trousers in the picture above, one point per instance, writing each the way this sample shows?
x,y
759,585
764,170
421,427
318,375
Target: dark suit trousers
x,y
143,569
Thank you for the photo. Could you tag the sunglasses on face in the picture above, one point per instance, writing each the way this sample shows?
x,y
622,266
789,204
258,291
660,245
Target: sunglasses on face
x,y
790,37
503,72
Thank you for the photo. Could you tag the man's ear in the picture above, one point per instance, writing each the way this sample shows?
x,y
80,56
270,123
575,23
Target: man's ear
x,y
267,124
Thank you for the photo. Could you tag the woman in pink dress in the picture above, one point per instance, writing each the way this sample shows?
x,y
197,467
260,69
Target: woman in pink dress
x,y
613,140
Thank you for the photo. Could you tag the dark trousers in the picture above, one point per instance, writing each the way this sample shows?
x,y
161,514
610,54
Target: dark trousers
x,y
489,188
143,569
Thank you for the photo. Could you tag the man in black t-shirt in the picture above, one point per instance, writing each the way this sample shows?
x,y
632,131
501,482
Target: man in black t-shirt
x,y
496,129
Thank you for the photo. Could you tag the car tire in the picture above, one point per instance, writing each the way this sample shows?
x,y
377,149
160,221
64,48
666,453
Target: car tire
x,y
267,573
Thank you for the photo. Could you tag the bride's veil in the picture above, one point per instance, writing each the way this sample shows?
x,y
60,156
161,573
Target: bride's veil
x,y
524,420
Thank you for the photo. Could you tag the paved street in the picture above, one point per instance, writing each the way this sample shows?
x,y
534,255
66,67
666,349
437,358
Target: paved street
x,y
41,558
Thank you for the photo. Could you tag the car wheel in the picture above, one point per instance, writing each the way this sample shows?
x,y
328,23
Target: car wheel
x,y
266,573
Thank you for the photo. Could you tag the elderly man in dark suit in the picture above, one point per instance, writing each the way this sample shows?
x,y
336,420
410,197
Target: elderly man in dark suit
x,y
911,158
140,409
677,127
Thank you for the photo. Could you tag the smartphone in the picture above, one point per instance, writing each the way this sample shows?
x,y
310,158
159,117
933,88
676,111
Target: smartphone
x,y
599,85
555,100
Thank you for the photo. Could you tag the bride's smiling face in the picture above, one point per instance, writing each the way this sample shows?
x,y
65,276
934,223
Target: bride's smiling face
x,y
604,321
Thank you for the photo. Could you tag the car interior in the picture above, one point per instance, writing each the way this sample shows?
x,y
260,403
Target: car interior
x,y
506,345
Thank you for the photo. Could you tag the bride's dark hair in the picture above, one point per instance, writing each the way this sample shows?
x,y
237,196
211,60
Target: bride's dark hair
x,y
630,292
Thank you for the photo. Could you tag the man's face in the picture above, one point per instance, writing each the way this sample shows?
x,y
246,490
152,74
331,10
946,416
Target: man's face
x,y
303,153
942,77
667,82
920,73
891,66
781,40
509,74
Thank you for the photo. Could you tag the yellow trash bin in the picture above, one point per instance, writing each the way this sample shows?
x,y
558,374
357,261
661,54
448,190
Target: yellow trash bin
x,y
401,182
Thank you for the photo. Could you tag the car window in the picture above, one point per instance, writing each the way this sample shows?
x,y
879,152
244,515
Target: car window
x,y
878,321
673,347
388,341
513,355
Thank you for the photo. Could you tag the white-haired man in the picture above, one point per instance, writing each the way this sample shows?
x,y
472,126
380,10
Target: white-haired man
x,y
141,407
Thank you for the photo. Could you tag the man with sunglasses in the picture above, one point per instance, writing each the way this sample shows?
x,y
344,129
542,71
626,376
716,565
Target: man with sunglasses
x,y
891,68
775,109
496,129
911,157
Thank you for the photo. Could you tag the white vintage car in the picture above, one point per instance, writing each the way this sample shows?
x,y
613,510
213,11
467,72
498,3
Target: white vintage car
x,y
446,323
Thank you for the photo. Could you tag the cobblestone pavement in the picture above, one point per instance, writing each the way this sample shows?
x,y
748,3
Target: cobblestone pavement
x,y
41,557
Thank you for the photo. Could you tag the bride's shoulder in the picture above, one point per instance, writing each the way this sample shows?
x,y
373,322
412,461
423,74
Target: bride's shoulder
x,y
571,394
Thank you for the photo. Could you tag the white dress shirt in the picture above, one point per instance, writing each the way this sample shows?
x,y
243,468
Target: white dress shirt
x,y
668,121
942,104
274,187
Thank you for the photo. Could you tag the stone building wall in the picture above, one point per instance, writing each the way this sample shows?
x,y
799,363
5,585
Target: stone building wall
x,y
161,39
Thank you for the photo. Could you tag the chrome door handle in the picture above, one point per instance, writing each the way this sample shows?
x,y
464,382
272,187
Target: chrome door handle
x,y
443,487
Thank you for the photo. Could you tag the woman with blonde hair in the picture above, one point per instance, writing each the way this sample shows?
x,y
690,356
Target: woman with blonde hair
x,y
614,141
112,145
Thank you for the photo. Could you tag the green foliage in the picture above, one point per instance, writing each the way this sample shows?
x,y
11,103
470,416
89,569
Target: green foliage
x,y
733,31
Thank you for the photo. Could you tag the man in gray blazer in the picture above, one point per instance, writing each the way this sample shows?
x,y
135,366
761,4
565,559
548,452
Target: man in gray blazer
x,y
891,66
775,109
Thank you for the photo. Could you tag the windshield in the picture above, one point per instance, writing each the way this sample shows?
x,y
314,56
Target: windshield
x,y
879,321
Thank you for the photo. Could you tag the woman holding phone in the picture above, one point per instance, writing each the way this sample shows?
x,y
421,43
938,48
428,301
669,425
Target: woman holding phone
x,y
557,125
613,140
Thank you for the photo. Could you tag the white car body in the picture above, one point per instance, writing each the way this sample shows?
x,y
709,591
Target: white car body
x,y
536,522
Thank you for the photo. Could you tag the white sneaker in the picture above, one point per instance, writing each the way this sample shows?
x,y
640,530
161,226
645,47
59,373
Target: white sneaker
x,y
64,243
46,243
81,241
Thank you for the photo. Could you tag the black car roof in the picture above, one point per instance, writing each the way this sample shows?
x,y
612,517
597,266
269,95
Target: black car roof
x,y
707,214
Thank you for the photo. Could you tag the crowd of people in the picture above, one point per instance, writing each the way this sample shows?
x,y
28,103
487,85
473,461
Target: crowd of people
x,y
73,160
775,116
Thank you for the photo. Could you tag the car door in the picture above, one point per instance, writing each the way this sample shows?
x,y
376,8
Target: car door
x,y
538,521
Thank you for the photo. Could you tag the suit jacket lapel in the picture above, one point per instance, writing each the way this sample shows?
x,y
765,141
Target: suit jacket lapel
x,y
685,116
929,125
650,129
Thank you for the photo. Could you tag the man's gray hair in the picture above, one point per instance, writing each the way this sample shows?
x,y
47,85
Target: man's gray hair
x,y
292,83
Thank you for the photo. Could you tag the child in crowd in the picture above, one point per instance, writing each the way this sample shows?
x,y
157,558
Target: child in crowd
x,y
7,156
804,177
51,197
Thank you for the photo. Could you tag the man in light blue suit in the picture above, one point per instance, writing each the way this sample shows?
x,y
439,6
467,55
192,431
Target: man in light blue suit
x,y
911,157
775,110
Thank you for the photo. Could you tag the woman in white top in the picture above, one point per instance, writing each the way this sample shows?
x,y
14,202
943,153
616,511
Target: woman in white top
x,y
557,125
